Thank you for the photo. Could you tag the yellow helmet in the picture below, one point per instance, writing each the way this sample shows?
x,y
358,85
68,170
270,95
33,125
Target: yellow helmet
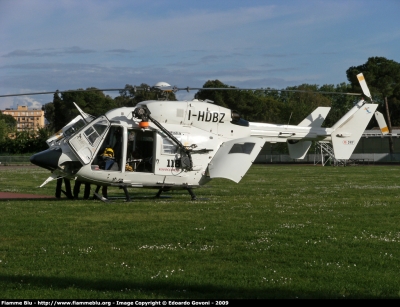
x,y
108,152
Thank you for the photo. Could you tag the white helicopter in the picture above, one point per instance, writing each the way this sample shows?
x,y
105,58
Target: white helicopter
x,y
169,145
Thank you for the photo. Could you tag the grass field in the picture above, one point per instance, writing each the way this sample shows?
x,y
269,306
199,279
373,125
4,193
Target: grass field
x,y
283,232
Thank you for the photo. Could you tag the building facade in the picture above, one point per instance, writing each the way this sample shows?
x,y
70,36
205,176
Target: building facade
x,y
27,119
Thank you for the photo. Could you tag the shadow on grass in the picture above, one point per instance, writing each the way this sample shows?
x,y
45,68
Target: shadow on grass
x,y
158,289
27,199
115,199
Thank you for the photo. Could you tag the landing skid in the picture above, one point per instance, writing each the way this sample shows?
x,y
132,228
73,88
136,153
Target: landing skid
x,y
106,199
158,195
102,198
68,195
192,193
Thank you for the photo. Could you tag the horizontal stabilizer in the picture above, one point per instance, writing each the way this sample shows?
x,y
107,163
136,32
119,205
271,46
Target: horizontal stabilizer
x,y
298,149
234,158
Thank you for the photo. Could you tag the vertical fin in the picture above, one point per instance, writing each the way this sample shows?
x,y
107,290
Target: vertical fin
x,y
316,118
299,149
349,129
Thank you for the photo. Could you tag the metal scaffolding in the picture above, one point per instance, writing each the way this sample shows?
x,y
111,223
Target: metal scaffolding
x,y
324,154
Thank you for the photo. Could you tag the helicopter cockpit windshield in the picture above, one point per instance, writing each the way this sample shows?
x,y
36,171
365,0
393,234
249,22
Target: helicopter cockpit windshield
x,y
74,128
68,130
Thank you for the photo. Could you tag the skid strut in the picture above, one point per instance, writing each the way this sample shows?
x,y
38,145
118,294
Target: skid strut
x,y
128,198
192,193
188,189
159,193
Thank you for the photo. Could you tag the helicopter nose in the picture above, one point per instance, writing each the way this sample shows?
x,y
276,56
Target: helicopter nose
x,y
47,159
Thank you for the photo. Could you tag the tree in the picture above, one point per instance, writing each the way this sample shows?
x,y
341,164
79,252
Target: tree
x,y
129,96
49,115
62,110
383,79
8,124
298,105
266,105
94,102
3,130
10,121
58,116
251,105
340,104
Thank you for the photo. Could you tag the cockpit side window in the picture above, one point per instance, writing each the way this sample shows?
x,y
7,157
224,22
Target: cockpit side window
x,y
109,157
168,147
94,132
237,120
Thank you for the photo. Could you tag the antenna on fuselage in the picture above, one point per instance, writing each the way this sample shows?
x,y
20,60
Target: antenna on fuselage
x,y
290,117
87,117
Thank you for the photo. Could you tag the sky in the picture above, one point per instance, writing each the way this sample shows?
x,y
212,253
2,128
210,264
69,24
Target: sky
x,y
49,45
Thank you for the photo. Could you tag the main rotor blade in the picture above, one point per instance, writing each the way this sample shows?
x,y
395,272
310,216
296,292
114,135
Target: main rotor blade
x,y
71,91
260,89
175,89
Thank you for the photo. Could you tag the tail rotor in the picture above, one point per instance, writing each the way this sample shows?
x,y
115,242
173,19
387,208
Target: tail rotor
x,y
364,85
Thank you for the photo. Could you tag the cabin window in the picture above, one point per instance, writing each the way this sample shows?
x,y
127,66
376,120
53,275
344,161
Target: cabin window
x,y
245,148
168,147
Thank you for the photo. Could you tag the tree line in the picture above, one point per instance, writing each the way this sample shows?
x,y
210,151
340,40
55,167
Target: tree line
x,y
264,105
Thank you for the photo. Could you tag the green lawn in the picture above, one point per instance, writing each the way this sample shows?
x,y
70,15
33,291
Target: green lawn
x,y
290,231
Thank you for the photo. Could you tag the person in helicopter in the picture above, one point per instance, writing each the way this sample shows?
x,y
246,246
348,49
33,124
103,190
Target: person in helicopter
x,y
108,161
108,158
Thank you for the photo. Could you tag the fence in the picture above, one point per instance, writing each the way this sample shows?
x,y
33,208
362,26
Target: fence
x,y
14,160
282,158
369,158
